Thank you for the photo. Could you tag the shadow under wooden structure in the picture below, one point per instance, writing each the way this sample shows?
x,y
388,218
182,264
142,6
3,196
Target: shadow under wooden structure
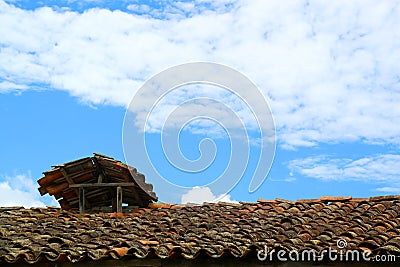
x,y
98,183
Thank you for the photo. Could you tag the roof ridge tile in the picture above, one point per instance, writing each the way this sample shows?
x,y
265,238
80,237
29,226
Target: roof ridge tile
x,y
380,198
335,198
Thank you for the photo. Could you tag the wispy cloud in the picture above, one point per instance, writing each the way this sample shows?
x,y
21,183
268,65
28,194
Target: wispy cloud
x,y
380,168
6,86
330,70
394,189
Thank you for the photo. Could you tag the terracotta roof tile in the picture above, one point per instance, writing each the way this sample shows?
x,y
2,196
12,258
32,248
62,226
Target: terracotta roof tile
x,y
266,201
308,201
380,198
168,231
334,198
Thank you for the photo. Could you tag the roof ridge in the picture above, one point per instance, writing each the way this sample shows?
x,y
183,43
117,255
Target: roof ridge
x,y
322,199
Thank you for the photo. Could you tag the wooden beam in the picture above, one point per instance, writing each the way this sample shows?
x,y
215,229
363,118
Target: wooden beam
x,y
81,200
104,185
119,199
66,176
103,178
71,182
100,179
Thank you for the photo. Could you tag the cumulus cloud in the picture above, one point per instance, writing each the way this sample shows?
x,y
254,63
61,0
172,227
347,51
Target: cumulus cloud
x,y
329,70
20,190
200,195
380,168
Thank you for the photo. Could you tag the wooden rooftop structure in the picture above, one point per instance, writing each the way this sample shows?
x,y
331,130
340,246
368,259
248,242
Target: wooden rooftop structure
x,y
97,183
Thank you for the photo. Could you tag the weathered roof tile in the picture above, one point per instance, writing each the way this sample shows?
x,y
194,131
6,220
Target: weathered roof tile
x,y
191,231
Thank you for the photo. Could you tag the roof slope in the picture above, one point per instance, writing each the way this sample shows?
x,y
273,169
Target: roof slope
x,y
99,168
208,230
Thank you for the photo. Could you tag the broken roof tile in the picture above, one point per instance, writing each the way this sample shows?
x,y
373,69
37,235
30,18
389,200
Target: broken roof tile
x,y
61,182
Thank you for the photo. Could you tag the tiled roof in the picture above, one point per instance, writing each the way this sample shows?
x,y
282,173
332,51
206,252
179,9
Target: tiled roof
x,y
102,169
165,231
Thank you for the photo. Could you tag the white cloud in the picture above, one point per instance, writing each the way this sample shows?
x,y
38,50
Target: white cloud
x,y
10,86
390,189
330,70
381,168
20,190
200,195
139,8
190,101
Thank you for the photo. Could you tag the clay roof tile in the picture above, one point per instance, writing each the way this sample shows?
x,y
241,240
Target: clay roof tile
x,y
191,231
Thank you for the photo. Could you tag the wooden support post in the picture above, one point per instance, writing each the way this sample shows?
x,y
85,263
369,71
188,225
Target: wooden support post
x,y
81,200
119,199
77,192
100,178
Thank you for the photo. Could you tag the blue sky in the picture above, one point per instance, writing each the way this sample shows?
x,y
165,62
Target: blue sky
x,y
329,71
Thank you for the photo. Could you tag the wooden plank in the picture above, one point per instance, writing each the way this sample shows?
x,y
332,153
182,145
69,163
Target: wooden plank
x,y
49,177
77,177
54,189
74,162
119,199
42,190
104,185
66,176
99,155
103,177
83,178
100,179
81,200
71,182
113,172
